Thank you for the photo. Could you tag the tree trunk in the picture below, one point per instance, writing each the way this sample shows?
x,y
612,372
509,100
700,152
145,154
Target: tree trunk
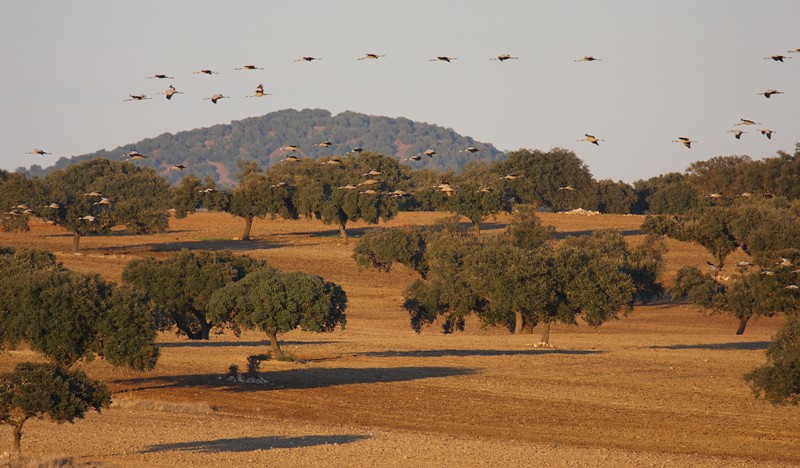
x,y
205,330
528,326
76,243
545,333
476,225
343,232
518,322
248,225
742,325
18,437
275,347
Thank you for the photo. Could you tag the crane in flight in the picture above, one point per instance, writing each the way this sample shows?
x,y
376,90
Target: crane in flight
x,y
504,57
770,92
588,58
136,97
443,58
685,141
307,59
171,91
248,67
259,92
205,72
161,76
591,139
215,98
38,151
737,133
371,57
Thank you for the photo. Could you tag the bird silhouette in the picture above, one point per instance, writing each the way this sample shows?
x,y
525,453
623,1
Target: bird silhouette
x,y
161,76
348,187
290,148
177,167
291,158
102,201
307,59
357,149
259,92
89,218
591,139
371,57
373,172
94,193
737,133
503,57
416,157
747,122
777,58
685,141
443,58
135,155
324,144
248,67
215,98
768,93
767,133
205,72
53,206
427,152
169,92
712,266
136,97
471,150
568,188
38,151
588,58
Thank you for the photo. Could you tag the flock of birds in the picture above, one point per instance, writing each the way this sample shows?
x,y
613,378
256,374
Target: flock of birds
x,y
782,262
171,92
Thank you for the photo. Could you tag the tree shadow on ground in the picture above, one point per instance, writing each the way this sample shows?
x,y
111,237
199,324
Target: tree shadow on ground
x,y
435,353
298,378
233,344
746,346
252,444
206,244
588,232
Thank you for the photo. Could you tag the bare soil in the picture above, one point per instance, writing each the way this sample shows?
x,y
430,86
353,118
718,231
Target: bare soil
x,y
662,386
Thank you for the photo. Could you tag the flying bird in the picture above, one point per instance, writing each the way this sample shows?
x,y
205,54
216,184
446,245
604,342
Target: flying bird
x,y
357,149
307,59
136,97
291,158
443,58
768,93
588,58
324,144
712,266
371,57
413,158
259,92
290,148
747,122
170,92
215,98
714,195
427,152
744,263
53,206
248,67
591,139
568,188
795,51
777,58
369,192
399,193
38,151
767,133
177,167
511,177
89,218
102,201
369,182
687,142
333,162
279,185
207,190
348,187
205,72
135,155
737,133
94,193
371,173
504,57
161,76
471,150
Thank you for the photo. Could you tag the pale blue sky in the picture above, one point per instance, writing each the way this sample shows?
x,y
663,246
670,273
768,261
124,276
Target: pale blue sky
x,y
668,69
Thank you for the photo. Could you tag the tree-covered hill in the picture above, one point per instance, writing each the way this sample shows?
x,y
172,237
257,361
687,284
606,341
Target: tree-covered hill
x,y
213,151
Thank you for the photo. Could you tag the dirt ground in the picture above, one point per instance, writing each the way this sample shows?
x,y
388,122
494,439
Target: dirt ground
x,y
660,387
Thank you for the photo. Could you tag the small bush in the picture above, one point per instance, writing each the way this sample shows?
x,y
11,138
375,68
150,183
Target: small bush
x,y
779,379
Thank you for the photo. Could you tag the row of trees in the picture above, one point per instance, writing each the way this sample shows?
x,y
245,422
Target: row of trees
x,y
517,279
370,187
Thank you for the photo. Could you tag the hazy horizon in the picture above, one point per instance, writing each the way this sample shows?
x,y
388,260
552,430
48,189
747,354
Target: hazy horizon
x,y
667,70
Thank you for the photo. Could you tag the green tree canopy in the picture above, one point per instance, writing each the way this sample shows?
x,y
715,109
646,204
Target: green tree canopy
x,y
39,390
276,302
260,194
93,196
779,379
182,285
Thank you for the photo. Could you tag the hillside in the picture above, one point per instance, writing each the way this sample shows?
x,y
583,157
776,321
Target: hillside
x,y
213,151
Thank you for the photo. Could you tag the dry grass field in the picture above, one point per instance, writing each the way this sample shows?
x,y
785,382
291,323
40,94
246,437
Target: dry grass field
x,y
660,387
